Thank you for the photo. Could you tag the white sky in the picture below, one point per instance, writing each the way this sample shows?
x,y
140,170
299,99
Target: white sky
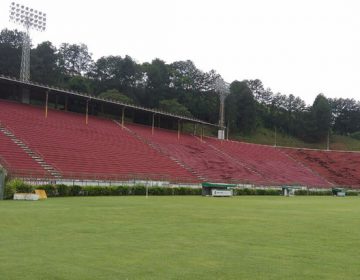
x,y
300,47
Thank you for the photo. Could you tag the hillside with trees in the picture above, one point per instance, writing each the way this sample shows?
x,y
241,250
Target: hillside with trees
x,y
181,88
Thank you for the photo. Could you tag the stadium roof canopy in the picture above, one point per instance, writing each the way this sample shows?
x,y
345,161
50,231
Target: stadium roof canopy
x,y
42,89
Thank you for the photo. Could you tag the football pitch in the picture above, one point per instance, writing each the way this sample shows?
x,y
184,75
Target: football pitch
x,y
181,237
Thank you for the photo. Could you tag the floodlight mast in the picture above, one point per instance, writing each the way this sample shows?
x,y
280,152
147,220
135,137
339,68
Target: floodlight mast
x,y
30,19
223,89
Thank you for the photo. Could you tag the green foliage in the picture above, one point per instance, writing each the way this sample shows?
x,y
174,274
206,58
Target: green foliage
x,y
16,186
240,108
356,135
314,192
138,190
80,84
320,121
9,191
173,106
43,67
51,190
345,115
74,60
247,191
10,52
352,193
114,94
301,192
63,190
75,190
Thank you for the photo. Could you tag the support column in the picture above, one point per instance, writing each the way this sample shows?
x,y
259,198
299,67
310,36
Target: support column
x,y
202,133
123,117
153,124
25,96
179,129
46,104
195,128
87,112
66,103
275,136
56,101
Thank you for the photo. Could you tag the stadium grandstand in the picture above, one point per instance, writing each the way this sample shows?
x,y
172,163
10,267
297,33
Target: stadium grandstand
x,y
44,136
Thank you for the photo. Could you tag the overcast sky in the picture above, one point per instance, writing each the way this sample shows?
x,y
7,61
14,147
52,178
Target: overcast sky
x,y
300,47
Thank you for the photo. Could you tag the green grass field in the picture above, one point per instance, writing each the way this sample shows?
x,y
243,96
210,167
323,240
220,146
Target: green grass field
x,y
181,238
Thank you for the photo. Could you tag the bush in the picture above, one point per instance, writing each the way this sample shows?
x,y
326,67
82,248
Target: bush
x,y
355,135
50,190
74,190
16,186
63,190
320,193
9,191
352,193
139,190
301,192
121,190
156,191
244,191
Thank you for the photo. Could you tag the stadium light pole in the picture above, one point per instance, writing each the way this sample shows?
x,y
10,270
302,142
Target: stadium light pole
x,y
223,89
29,18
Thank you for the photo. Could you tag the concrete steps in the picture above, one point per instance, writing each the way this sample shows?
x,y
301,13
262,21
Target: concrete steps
x,y
161,151
36,157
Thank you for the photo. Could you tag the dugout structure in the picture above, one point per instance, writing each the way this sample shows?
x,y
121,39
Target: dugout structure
x,y
217,189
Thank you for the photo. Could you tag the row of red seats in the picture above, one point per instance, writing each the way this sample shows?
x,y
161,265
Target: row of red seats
x,y
15,159
199,157
71,146
339,168
102,149
274,166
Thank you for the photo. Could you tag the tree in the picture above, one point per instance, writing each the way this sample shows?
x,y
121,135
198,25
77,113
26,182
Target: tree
x,y
186,77
10,52
113,94
240,108
115,72
319,124
157,80
44,68
80,84
74,59
173,106
345,115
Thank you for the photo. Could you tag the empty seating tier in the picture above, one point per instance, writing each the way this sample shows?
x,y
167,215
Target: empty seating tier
x,y
64,146
339,168
275,167
99,150
208,163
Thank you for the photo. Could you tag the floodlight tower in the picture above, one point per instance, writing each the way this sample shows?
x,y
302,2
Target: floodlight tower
x,y
223,89
30,19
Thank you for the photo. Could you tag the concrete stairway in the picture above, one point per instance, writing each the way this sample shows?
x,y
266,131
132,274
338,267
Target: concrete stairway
x,y
36,157
161,151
